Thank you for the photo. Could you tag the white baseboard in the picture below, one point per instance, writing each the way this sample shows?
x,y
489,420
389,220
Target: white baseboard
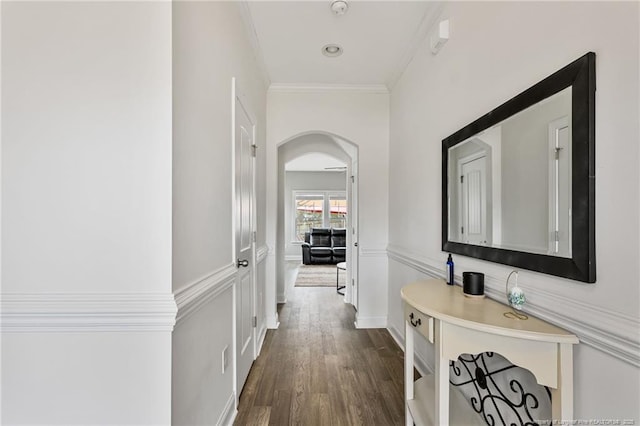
x,y
261,335
373,251
272,322
230,412
370,322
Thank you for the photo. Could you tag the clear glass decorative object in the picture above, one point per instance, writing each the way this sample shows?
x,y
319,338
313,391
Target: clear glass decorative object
x,y
515,294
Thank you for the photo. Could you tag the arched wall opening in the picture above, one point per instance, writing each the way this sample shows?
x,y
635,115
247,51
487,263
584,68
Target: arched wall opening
x,y
343,151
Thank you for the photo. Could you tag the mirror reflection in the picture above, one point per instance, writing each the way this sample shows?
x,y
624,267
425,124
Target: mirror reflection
x,y
509,186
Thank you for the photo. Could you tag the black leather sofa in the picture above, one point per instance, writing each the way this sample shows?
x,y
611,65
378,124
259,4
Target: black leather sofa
x,y
324,246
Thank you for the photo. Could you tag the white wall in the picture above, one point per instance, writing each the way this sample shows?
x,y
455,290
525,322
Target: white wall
x,y
496,51
87,308
210,47
363,119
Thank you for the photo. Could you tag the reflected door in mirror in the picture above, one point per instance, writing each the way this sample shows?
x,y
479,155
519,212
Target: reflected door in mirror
x,y
518,184
511,182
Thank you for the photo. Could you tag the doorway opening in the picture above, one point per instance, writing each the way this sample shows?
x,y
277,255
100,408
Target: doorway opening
x,y
317,226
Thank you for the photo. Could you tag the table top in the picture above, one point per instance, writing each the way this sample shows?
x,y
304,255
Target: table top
x,y
448,303
342,265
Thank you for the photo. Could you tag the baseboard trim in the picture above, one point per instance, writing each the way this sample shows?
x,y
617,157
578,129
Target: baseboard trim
x,y
272,322
419,362
262,334
230,412
193,296
370,322
87,312
607,331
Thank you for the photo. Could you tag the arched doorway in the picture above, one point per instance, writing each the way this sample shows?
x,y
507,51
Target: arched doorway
x,y
343,153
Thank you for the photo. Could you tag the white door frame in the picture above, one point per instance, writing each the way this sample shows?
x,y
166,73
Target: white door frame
x,y
351,295
560,167
238,98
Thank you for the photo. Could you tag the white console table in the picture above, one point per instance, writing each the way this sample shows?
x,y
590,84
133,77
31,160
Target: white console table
x,y
456,324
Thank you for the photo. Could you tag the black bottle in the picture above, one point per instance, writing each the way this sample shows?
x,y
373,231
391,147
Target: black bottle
x,y
450,270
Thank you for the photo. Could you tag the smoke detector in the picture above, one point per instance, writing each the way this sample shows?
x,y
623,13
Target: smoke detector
x,y
339,7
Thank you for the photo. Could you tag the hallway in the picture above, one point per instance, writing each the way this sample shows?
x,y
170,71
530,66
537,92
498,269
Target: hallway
x,y
317,369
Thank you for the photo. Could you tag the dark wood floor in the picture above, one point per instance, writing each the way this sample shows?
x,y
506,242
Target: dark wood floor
x,y
317,369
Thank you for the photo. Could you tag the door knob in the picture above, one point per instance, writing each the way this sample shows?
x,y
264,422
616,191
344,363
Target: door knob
x,y
243,262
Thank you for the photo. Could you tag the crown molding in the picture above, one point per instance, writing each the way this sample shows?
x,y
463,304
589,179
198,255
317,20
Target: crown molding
x,y
328,88
430,18
603,329
254,41
87,312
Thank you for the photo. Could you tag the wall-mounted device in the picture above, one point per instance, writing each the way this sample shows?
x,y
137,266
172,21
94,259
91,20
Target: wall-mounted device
x,y
439,37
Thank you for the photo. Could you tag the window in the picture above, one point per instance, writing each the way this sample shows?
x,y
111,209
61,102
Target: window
x,y
309,213
314,209
337,211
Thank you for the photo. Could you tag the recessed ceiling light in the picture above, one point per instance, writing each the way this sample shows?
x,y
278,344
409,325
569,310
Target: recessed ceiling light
x,y
332,50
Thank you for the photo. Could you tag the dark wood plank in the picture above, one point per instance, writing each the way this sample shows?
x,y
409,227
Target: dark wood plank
x,y
320,412
317,369
281,408
258,416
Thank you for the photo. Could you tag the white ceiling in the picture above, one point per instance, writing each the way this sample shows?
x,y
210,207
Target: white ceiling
x,y
315,161
378,38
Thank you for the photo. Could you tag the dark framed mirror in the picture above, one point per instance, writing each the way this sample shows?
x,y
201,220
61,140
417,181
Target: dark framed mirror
x,y
518,184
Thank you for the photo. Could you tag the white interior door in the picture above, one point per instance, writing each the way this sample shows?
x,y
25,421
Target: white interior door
x,y
244,243
473,182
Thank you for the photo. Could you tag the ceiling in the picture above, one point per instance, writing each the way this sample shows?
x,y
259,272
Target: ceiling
x,y
315,161
378,39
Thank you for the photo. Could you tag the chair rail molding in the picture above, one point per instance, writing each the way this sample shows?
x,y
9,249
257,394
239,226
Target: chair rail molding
x,y
87,312
415,261
261,253
193,296
608,331
373,252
